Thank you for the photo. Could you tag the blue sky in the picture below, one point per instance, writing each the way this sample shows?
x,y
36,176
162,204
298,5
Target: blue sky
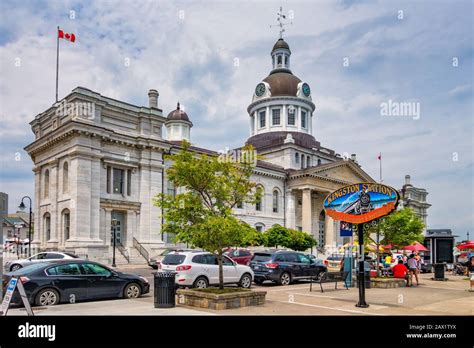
x,y
187,51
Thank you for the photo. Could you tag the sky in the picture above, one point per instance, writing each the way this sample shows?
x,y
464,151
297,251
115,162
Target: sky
x,y
359,57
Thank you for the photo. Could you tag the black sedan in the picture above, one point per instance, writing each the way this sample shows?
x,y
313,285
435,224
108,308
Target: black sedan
x,y
68,281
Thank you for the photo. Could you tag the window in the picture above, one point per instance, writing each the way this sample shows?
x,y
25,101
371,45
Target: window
x,y
47,226
297,158
46,184
129,182
39,256
53,256
109,178
291,116
275,117
259,227
275,201
65,177
65,270
240,205
118,180
308,162
92,268
279,59
226,261
262,117
319,161
199,259
291,257
303,259
303,119
171,189
258,204
66,223
210,259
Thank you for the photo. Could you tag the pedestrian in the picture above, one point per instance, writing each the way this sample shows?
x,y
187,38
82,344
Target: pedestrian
x,y
418,263
388,261
412,267
470,271
400,271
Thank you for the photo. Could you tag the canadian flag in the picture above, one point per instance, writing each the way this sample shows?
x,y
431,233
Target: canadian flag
x,y
66,36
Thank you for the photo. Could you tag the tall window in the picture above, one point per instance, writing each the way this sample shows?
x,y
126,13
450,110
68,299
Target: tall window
x,y
66,223
47,226
129,182
259,226
171,189
303,119
275,117
291,116
262,119
65,177
308,162
240,205
46,183
118,180
319,161
297,158
279,59
258,203
275,201
109,178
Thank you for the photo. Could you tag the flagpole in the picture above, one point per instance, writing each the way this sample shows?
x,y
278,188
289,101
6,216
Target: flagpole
x,y
57,62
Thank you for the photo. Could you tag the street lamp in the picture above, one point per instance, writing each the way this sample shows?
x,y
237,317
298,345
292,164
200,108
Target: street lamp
x,y
114,228
22,207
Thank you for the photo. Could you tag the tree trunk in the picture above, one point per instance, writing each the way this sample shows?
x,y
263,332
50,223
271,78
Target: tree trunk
x,y
221,270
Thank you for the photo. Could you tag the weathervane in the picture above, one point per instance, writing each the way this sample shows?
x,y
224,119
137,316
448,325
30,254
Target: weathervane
x,y
281,24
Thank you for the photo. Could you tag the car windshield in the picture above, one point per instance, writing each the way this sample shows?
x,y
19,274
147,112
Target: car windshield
x,y
262,257
71,255
28,269
173,259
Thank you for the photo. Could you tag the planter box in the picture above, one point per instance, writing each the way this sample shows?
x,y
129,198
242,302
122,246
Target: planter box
x,y
387,283
222,301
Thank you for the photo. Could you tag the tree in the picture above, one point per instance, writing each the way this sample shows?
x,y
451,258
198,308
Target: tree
x,y
276,236
201,215
300,241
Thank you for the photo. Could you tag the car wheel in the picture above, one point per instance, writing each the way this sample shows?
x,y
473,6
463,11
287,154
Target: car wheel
x,y
246,281
285,279
201,283
47,297
132,290
16,267
258,281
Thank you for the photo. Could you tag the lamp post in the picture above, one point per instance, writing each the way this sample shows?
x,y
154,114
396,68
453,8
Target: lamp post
x,y
22,207
114,228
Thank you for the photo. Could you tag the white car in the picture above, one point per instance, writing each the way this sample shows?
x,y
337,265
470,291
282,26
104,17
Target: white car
x,y
199,269
40,257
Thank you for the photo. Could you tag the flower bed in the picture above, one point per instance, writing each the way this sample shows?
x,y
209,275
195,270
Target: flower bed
x,y
212,299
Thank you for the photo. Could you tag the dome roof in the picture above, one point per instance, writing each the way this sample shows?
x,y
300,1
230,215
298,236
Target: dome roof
x,y
283,84
280,44
178,115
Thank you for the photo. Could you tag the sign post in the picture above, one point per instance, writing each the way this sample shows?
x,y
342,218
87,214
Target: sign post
x,y
359,204
12,285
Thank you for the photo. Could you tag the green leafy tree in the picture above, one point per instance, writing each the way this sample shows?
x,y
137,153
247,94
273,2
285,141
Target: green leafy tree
x,y
201,215
300,241
275,236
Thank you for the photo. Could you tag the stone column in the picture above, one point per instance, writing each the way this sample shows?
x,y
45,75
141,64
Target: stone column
x,y
290,210
55,219
108,226
329,229
36,210
306,212
268,118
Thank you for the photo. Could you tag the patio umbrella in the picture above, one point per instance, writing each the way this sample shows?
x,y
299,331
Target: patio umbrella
x,y
466,245
417,246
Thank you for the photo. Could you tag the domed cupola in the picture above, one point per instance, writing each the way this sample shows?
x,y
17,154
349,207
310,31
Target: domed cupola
x,y
281,102
178,125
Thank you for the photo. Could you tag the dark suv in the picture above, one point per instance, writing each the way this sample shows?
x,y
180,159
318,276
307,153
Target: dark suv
x,y
283,267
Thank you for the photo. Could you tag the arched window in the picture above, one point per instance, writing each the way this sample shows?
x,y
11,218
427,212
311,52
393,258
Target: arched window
x,y
297,158
46,183
302,161
279,60
308,162
259,227
66,217
47,226
259,202
319,161
275,201
65,177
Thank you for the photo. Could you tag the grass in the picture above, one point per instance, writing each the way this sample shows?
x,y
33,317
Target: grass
x,y
218,291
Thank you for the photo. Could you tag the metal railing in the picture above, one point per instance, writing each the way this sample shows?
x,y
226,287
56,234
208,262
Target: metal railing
x,y
122,250
141,249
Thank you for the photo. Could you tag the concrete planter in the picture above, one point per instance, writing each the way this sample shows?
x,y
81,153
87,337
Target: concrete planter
x,y
387,283
221,301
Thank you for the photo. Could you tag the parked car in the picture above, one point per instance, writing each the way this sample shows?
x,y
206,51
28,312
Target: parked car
x,y
154,261
315,259
40,257
241,256
283,267
333,262
50,283
199,269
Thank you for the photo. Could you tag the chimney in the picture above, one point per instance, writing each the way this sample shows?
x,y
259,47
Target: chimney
x,y
407,179
153,98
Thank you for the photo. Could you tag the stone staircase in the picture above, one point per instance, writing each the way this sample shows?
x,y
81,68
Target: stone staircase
x,y
135,258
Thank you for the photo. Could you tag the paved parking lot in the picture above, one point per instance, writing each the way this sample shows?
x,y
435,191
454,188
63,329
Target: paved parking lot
x,y
430,298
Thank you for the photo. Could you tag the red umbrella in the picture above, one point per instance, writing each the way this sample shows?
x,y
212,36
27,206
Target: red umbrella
x,y
388,246
417,246
466,245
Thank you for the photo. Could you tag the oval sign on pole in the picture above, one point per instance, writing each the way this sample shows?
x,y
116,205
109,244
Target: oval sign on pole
x,y
362,202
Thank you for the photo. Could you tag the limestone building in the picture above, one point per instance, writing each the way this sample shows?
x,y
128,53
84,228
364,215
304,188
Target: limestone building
x,y
97,159
415,199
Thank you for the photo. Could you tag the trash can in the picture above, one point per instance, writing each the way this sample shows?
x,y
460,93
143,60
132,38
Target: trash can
x,y
165,289
439,271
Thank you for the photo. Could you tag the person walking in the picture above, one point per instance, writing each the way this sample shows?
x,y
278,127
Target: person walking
x,y
412,267
418,259
470,271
